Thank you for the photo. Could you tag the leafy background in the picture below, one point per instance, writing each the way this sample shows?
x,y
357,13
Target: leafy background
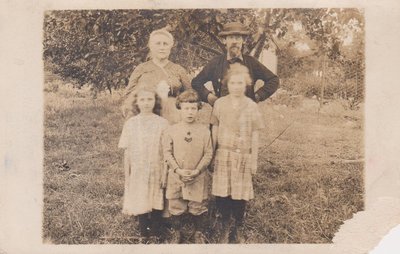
x,y
102,47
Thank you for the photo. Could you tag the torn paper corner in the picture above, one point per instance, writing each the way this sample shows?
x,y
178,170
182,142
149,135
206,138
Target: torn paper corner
x,y
365,230
389,244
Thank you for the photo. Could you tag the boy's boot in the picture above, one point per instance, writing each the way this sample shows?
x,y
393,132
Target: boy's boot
x,y
200,223
176,229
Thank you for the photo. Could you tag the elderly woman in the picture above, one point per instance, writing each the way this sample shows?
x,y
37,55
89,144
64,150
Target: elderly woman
x,y
167,78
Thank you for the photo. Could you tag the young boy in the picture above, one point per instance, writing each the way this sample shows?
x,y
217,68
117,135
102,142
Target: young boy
x,y
188,151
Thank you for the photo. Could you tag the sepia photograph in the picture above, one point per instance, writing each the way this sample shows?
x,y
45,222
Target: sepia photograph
x,y
202,126
185,126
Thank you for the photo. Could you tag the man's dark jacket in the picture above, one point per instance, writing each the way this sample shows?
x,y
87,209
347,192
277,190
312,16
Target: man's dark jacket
x,y
214,71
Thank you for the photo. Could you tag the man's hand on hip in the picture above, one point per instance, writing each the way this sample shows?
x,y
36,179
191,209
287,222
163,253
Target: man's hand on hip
x,y
211,98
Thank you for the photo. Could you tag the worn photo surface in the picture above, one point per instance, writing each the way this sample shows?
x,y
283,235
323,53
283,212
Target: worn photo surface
x,y
310,167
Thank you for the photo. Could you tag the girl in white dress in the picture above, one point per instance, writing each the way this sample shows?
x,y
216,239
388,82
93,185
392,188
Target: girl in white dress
x,y
144,177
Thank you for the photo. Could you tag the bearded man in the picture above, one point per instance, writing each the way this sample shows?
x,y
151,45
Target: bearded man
x,y
233,36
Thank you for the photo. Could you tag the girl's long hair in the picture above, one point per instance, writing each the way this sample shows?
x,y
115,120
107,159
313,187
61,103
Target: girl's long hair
x,y
131,101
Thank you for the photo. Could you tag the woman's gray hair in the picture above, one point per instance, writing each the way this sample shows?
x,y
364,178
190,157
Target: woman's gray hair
x,y
163,32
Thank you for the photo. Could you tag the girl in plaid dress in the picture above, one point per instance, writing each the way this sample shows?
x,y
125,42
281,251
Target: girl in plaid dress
x,y
144,176
235,121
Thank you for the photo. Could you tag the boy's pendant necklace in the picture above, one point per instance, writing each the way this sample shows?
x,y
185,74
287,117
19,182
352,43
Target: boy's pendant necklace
x,y
188,137
188,133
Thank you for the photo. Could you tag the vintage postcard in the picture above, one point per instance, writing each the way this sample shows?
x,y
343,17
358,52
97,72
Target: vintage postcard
x,y
184,126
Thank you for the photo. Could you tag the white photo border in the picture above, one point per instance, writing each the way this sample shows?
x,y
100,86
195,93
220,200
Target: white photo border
x,y
21,150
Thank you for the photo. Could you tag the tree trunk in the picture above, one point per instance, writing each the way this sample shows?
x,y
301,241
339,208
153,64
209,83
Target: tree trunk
x,y
218,41
260,45
261,42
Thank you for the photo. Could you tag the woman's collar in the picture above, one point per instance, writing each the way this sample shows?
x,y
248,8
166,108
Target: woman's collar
x,y
159,64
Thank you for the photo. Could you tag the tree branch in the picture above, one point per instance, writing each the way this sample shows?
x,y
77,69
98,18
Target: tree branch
x,y
206,48
261,41
276,45
207,31
254,44
260,45
218,41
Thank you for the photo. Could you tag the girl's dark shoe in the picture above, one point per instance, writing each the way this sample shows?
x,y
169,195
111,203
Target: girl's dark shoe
x,y
225,232
176,236
237,235
199,238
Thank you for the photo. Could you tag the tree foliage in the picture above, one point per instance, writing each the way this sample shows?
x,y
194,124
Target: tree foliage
x,y
102,47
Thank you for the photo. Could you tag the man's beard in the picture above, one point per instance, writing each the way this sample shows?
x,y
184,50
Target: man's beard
x,y
234,51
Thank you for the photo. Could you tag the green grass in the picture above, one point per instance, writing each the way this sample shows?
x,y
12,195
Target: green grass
x,y
304,188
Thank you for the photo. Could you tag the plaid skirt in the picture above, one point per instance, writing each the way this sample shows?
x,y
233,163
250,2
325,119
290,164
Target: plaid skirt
x,y
232,175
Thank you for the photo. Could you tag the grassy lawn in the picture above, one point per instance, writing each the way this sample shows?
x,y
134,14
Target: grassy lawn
x,y
306,185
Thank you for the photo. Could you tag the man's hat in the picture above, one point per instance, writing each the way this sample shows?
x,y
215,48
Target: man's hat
x,y
234,28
